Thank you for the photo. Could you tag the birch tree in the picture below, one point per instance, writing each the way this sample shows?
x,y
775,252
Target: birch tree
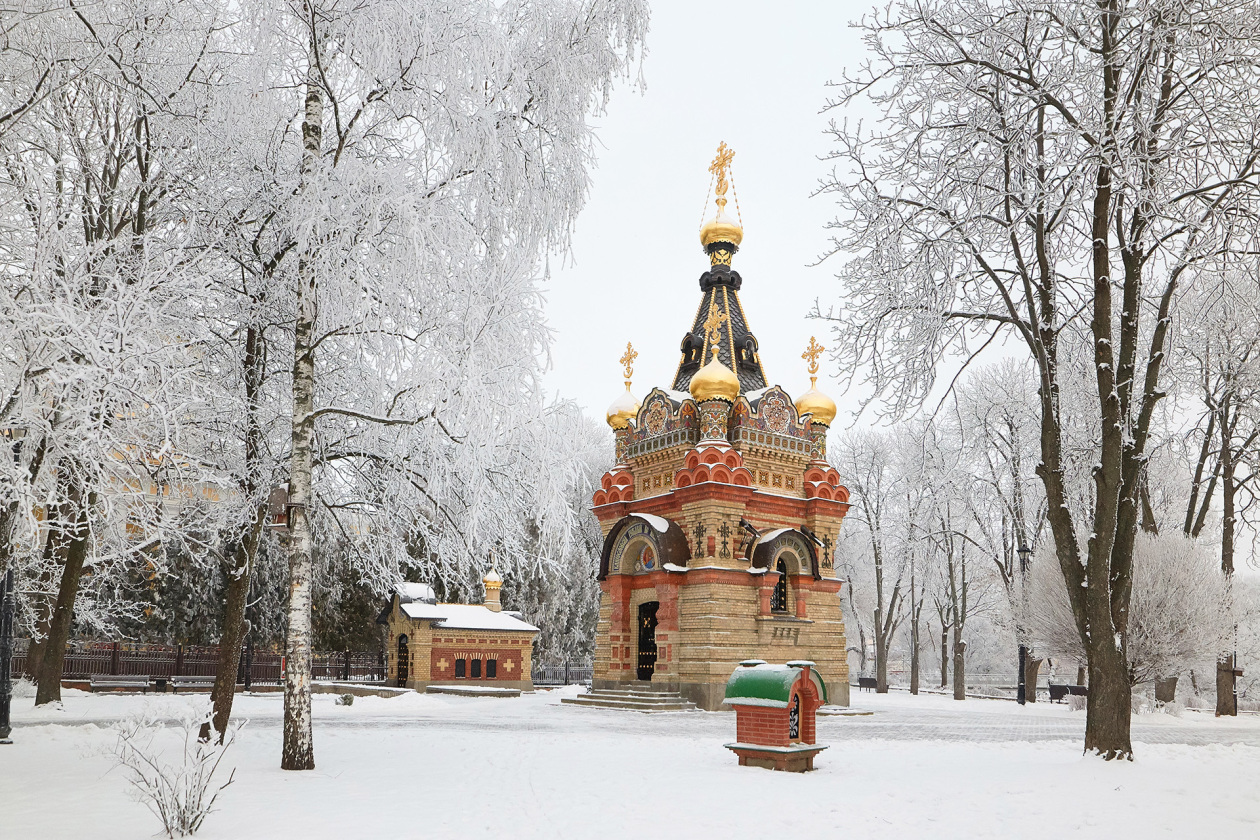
x,y
443,149
1048,172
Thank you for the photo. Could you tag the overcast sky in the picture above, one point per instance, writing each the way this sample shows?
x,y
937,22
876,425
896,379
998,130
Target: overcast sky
x,y
752,74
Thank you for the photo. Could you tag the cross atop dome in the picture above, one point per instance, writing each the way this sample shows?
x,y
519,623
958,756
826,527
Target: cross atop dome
x,y
720,329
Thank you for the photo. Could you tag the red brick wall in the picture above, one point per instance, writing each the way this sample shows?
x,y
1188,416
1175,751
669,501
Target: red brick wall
x,y
508,662
761,725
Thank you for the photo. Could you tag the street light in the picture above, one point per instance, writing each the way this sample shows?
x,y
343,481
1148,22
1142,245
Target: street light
x,y
7,597
1021,692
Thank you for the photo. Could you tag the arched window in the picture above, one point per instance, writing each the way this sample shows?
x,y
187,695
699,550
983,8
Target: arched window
x,y
476,669
491,669
779,601
460,666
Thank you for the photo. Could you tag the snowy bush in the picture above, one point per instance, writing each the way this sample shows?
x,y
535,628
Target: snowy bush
x,y
1177,619
345,700
181,792
1077,702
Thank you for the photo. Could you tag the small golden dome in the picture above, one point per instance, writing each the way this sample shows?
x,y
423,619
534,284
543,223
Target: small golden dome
x,y
492,579
820,407
721,228
623,409
715,381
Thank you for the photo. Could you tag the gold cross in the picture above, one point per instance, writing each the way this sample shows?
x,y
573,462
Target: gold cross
x,y
628,360
507,666
720,165
713,327
443,664
812,352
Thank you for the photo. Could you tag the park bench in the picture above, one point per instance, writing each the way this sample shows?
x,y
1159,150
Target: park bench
x,y
1059,692
191,682
868,683
115,681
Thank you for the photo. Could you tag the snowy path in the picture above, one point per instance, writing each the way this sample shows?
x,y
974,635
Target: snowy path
x,y
443,767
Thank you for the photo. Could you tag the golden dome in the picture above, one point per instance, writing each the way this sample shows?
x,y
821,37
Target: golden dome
x,y
721,228
623,409
715,381
820,407
492,579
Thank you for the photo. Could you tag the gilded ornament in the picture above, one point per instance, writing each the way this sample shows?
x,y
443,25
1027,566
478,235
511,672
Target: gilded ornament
x,y
820,407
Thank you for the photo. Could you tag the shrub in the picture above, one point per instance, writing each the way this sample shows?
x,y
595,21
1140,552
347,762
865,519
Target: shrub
x,y
182,792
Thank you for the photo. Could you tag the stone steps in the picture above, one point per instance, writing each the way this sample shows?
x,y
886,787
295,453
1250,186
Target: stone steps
x,y
637,697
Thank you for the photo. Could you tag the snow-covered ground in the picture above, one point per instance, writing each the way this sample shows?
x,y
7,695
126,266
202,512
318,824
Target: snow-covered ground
x,y
456,767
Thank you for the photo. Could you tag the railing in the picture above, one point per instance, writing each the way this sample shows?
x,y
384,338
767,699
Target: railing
x,y
565,674
85,659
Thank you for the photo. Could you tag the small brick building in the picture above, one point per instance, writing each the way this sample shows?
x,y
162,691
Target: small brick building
x,y
456,644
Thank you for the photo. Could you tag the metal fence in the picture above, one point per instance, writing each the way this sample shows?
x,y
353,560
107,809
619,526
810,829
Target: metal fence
x,y
85,659
565,674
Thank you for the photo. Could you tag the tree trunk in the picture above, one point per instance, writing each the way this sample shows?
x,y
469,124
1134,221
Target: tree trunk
x,y
881,657
77,539
914,657
224,691
39,602
241,558
1109,712
944,656
299,749
960,668
1225,704
1032,668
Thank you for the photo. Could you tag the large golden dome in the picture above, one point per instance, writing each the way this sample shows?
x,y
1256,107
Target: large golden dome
x,y
715,381
623,409
820,407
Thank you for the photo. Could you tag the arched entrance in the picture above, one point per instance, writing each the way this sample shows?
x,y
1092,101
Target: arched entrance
x,y
647,639
404,662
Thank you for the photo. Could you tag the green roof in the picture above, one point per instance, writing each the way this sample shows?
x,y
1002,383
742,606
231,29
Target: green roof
x,y
762,684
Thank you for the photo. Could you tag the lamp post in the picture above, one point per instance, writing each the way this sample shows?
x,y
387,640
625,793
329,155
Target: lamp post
x,y
7,597
1021,692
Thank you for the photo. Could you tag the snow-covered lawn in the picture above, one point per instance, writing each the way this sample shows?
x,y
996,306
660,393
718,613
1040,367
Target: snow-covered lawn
x,y
455,767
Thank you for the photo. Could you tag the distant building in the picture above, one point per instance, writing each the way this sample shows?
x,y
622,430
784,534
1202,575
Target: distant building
x,y
721,514
456,644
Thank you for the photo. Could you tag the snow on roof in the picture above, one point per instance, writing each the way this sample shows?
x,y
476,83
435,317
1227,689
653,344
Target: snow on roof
x,y
768,536
416,592
659,523
465,617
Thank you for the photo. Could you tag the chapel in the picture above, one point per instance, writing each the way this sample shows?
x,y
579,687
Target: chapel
x,y
456,644
721,513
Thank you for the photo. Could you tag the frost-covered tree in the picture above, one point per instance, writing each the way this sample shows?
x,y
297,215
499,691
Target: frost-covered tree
x,y
1051,172
434,153
868,463
101,371
1176,621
